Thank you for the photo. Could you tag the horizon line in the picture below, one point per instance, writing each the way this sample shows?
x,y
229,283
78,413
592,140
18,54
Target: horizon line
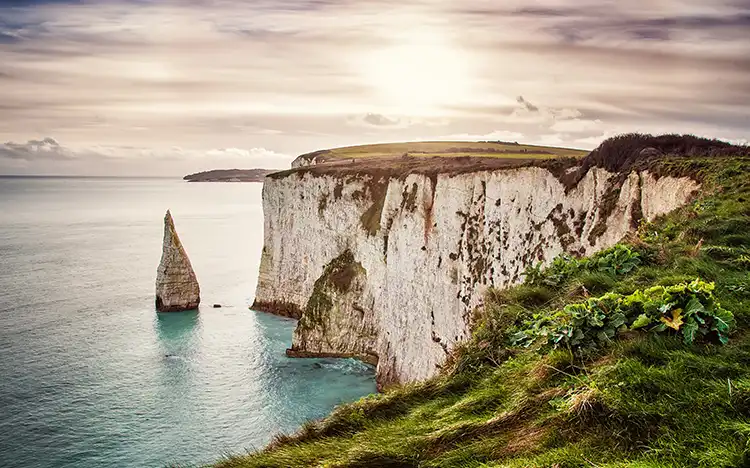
x,y
82,176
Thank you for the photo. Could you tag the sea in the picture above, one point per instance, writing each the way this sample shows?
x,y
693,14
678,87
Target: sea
x,y
92,376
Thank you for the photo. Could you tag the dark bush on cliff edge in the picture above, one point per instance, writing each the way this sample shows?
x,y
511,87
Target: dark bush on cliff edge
x,y
635,150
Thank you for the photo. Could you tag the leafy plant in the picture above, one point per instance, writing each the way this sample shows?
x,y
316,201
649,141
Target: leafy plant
x,y
687,309
616,261
619,260
534,275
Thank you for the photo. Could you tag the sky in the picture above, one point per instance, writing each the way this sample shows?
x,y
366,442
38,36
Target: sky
x,y
169,87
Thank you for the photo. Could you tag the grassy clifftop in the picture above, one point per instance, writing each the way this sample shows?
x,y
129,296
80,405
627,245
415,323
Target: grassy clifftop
x,y
496,149
638,356
436,157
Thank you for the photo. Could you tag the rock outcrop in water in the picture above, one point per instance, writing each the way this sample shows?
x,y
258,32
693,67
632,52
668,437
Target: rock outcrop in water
x,y
177,287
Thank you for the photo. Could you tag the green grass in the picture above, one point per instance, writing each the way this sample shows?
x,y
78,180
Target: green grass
x,y
447,149
644,400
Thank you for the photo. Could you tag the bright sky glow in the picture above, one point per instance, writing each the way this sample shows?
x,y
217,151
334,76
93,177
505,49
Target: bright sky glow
x,y
168,87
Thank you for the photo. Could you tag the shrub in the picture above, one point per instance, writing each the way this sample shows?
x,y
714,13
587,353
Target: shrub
x,y
686,309
581,325
689,309
624,152
616,261
561,268
619,260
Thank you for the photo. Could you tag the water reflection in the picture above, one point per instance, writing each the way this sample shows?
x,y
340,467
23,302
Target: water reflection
x,y
177,328
178,336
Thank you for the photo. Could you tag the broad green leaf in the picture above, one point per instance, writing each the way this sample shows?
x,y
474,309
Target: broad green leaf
x,y
643,320
688,331
694,306
725,318
617,320
518,337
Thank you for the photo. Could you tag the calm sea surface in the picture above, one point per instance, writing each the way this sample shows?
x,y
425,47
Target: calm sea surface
x,y
91,376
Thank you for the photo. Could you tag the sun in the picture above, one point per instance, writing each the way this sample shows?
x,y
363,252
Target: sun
x,y
420,75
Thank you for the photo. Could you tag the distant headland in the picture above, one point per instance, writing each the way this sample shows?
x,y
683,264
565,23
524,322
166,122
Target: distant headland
x,y
230,175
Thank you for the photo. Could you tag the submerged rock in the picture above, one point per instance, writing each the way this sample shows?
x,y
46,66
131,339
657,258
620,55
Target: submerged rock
x,y
176,285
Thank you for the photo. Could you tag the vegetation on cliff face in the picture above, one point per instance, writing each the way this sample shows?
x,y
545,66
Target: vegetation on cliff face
x,y
337,277
638,356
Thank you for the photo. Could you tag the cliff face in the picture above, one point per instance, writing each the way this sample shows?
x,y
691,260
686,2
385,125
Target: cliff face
x,y
177,287
389,269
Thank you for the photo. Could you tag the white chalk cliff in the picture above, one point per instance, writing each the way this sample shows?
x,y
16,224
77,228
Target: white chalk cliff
x,y
177,287
390,269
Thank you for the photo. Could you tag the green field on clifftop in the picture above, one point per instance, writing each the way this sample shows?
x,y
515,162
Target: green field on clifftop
x,y
491,149
636,357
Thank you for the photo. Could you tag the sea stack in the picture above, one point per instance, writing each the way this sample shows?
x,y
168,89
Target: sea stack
x,y
176,285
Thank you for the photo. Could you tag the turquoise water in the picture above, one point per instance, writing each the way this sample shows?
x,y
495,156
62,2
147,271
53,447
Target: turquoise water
x,y
91,376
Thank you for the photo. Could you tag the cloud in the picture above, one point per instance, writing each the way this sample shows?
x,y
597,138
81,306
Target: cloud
x,y
497,135
377,120
540,124
7,37
301,75
562,119
671,20
576,125
527,105
34,150
47,156
384,122
247,154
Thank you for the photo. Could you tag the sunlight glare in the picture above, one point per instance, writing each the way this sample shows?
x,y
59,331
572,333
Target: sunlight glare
x,y
420,75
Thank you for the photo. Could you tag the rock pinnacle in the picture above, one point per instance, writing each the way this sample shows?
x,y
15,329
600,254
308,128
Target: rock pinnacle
x,y
177,287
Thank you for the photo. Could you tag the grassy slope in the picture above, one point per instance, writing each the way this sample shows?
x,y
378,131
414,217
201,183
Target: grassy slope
x,y
444,149
646,400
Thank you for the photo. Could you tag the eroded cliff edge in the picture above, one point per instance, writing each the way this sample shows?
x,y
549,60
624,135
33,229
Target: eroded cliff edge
x,y
389,267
